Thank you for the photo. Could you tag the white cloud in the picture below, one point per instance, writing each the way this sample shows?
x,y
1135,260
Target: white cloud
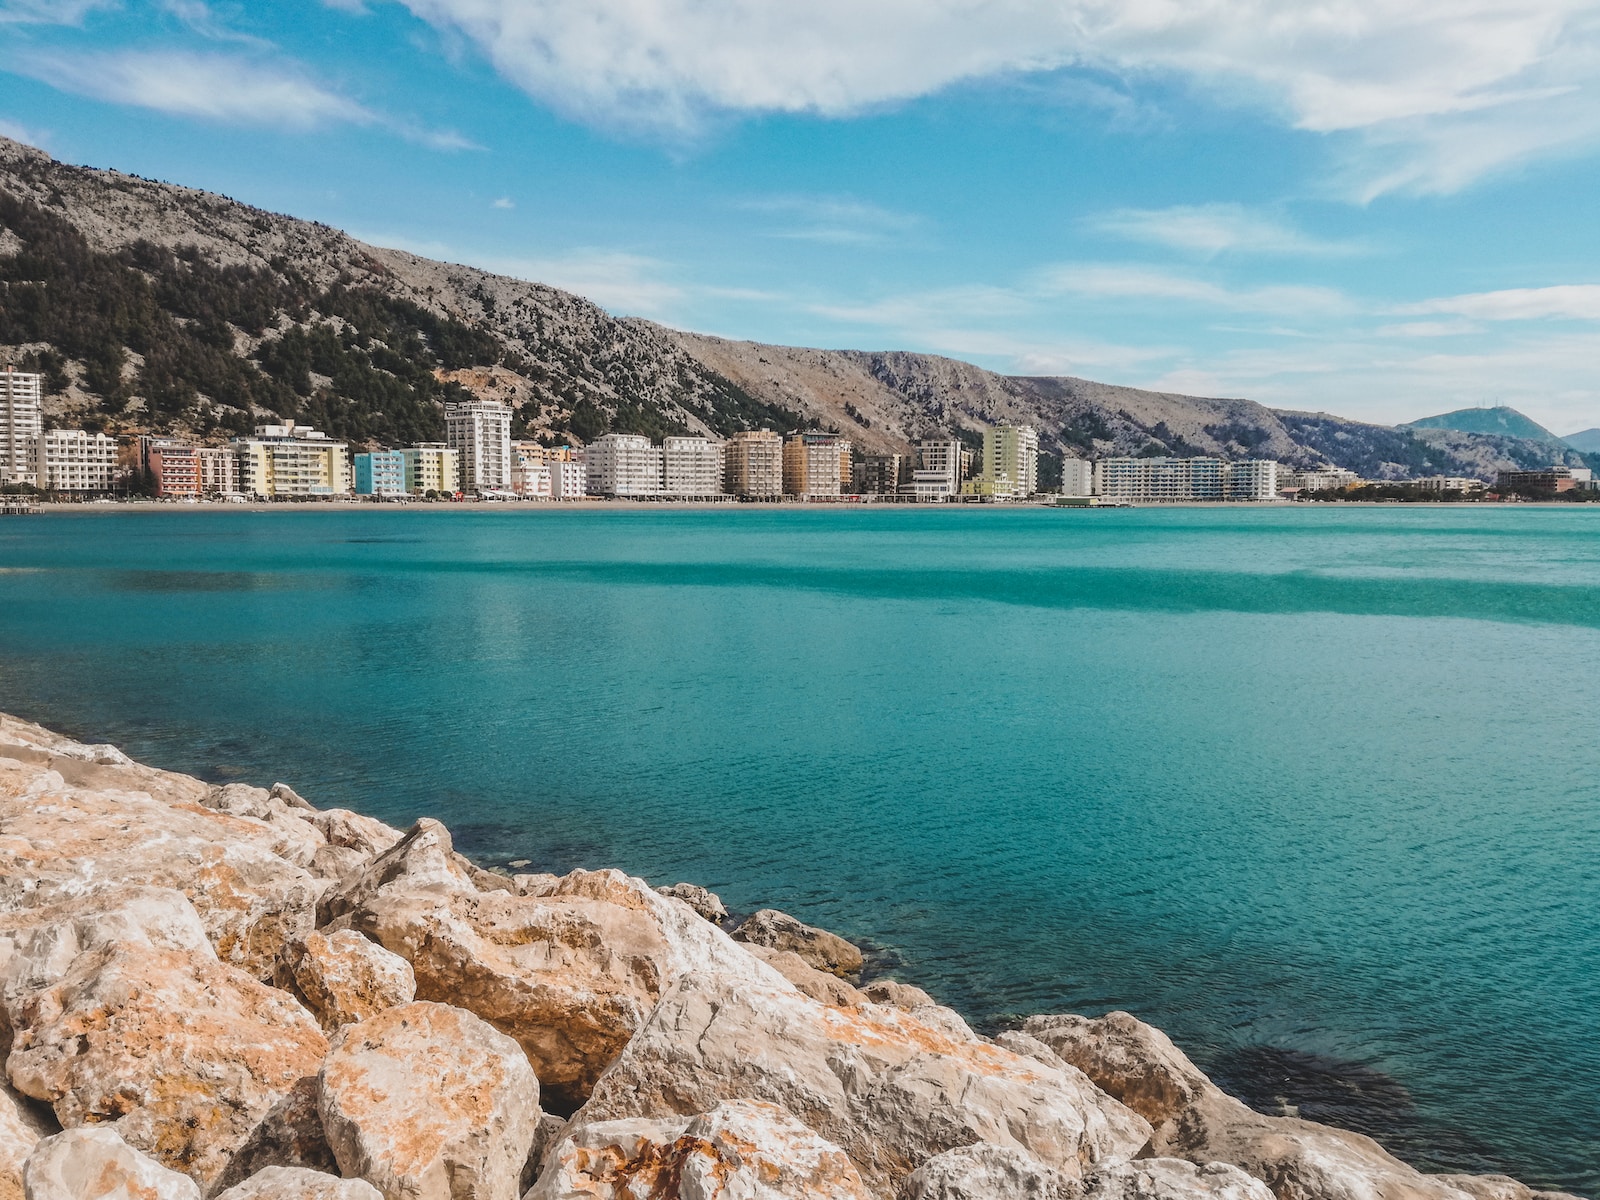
x,y
23,133
198,17
51,12
1119,281
222,88
1572,301
505,202
833,220
1208,230
1403,76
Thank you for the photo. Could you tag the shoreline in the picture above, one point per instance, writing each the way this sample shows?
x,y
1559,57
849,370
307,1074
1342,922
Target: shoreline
x,y
607,1029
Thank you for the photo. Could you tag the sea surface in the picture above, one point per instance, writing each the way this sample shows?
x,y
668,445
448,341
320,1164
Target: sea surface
x,y
1315,790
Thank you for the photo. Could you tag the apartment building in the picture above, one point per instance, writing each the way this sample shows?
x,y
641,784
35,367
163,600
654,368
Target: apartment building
x,y
530,470
431,467
691,466
1551,479
1253,479
480,433
941,466
752,464
21,423
1448,483
1010,463
380,473
1179,480
623,464
569,479
811,464
1317,479
292,460
70,460
877,474
1077,477
218,469
174,469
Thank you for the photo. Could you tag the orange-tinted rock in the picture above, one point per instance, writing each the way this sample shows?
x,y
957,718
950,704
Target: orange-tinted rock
x,y
345,977
823,950
742,1149
297,1183
819,985
95,1164
21,1128
427,1102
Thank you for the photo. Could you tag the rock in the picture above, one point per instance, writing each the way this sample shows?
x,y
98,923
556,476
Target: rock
x,y
819,985
1195,1120
707,904
1488,1187
534,885
345,977
888,1088
351,842
59,839
741,1150
146,1028
1173,1179
985,1172
823,950
282,791
297,1183
290,1135
299,839
427,1102
545,1139
570,973
93,1163
897,995
21,1128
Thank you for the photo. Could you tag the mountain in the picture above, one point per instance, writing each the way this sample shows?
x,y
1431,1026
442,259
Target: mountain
x,y
1587,441
1499,421
152,307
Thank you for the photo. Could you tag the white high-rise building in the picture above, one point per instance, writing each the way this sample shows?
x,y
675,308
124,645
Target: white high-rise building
x,y
1253,479
939,469
21,423
1077,477
1179,480
480,432
623,464
691,466
569,479
70,460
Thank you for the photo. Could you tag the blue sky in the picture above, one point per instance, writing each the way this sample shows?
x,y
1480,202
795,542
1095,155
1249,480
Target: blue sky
x,y
1379,210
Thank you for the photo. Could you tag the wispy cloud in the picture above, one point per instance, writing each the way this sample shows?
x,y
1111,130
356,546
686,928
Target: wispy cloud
x,y
223,88
51,12
1120,281
198,18
1572,301
834,220
1503,81
1209,230
505,202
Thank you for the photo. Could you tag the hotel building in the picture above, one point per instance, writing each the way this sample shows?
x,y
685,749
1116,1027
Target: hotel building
x,y
174,469
569,478
623,464
1010,463
530,470
876,474
70,460
21,423
380,473
218,468
292,460
1252,479
1179,480
941,465
431,467
811,464
752,464
480,432
1077,477
691,466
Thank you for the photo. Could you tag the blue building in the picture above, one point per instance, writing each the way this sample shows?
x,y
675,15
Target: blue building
x,y
382,473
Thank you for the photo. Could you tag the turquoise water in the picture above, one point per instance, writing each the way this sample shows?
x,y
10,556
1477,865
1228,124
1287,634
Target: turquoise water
x,y
1313,790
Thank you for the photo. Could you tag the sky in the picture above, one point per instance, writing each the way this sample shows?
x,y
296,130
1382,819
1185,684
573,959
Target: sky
x,y
1355,206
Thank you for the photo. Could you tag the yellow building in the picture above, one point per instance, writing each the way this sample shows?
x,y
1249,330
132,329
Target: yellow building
x,y
752,464
1010,463
432,467
292,460
812,462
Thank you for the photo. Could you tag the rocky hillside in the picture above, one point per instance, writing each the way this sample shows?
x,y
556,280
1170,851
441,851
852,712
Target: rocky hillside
x,y
154,307
224,991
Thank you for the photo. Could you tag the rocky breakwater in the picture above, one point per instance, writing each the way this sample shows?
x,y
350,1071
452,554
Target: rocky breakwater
x,y
222,991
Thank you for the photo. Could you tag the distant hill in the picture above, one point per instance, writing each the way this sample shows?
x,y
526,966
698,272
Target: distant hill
x,y
1588,441
152,307
1497,422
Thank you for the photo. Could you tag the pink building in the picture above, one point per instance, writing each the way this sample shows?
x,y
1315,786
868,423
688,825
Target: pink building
x,y
174,469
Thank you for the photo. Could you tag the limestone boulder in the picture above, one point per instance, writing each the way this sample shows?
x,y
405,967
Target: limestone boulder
x,y
22,1127
1193,1119
62,834
897,995
350,842
1488,1187
290,1135
93,1163
297,1183
741,1150
707,904
345,977
570,973
427,1102
888,1088
779,931
298,839
819,985
1173,1179
128,1017
986,1172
